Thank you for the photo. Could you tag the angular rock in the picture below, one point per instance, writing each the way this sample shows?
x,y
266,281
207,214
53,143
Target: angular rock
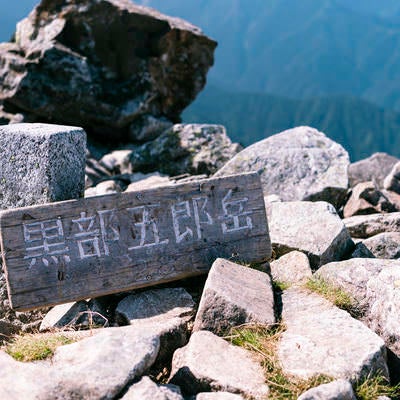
x,y
146,389
312,228
79,370
68,314
383,245
40,163
123,66
7,330
218,396
367,199
186,148
167,310
297,164
156,304
375,284
234,295
94,172
365,226
374,168
392,181
291,268
209,363
322,339
336,390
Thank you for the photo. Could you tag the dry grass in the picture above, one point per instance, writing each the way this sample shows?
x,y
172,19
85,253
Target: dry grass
x,y
264,342
373,387
34,347
335,295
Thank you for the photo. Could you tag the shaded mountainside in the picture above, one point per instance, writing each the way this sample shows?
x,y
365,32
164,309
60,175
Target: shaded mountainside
x,y
301,49
361,127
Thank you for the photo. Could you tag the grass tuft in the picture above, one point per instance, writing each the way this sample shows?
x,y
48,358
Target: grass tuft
x,y
280,286
264,342
373,387
335,295
34,347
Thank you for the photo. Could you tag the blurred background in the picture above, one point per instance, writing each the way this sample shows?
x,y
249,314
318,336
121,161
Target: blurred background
x,y
331,64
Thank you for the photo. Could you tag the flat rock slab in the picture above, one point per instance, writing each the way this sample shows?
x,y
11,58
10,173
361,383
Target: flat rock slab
x,y
322,339
96,367
313,228
146,389
234,295
336,390
155,304
297,164
375,284
374,168
209,363
41,163
365,226
291,268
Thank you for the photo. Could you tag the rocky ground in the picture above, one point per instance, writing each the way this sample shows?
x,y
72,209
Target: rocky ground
x,y
318,321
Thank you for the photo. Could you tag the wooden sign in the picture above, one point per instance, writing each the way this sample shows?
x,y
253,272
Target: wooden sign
x,y
79,249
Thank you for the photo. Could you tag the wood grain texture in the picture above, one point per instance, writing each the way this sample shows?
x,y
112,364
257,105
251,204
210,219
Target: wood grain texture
x,y
91,247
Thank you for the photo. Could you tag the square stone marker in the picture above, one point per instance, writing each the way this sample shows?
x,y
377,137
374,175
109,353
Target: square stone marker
x,y
41,163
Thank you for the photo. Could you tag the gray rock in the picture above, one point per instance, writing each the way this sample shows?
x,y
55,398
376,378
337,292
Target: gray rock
x,y
40,163
313,228
291,268
218,396
117,162
146,389
392,181
150,181
374,168
336,390
365,226
148,70
167,310
7,330
186,148
156,304
367,199
383,245
375,284
94,172
74,371
68,314
297,164
209,363
322,339
234,295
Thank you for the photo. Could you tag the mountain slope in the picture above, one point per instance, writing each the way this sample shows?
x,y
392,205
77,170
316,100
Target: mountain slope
x,y
300,49
359,126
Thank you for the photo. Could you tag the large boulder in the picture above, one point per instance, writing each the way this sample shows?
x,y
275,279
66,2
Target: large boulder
x,y
127,70
374,168
297,164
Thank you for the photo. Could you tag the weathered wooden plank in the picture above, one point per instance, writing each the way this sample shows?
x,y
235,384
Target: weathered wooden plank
x,y
85,248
